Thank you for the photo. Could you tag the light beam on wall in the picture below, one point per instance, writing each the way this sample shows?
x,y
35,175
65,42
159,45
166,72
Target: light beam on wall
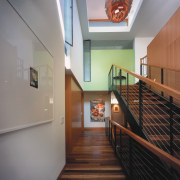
x,y
67,62
60,19
113,99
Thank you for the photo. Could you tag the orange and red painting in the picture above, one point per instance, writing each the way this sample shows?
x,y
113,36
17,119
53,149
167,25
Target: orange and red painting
x,y
97,110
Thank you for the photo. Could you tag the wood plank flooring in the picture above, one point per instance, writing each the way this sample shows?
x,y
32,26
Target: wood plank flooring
x,y
92,158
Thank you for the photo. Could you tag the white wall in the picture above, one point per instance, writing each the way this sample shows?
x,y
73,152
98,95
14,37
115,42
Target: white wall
x,y
140,46
38,153
89,96
76,52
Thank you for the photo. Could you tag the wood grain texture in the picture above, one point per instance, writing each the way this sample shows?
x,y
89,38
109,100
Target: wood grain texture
x,y
74,112
171,160
164,51
92,158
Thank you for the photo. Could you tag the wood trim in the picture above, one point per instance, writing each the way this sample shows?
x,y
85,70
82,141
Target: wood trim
x,y
141,59
171,160
97,92
105,20
69,72
82,109
71,103
68,114
144,57
172,92
171,69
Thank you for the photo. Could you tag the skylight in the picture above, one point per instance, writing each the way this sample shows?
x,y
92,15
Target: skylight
x,y
98,21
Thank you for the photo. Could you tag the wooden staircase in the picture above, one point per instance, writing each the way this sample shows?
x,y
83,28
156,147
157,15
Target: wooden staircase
x,y
92,158
152,117
156,118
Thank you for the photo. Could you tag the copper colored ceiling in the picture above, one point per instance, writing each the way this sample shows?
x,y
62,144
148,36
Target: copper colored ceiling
x,y
117,10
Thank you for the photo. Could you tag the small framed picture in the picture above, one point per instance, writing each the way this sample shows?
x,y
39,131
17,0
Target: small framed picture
x,y
116,108
33,77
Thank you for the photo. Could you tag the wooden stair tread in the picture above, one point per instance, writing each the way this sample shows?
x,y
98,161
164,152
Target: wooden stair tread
x,y
163,137
150,103
159,124
93,176
130,98
92,157
137,94
84,167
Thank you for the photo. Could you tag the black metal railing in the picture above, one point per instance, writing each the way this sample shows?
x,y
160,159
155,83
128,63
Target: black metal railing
x,y
137,160
157,117
160,74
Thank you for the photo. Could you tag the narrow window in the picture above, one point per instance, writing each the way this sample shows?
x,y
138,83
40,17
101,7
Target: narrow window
x,y
87,60
68,21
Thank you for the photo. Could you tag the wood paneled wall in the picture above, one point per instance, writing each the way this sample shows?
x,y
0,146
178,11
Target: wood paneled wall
x,y
74,112
164,51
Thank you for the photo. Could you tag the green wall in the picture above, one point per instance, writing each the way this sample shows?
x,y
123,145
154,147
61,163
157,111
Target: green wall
x,y
101,61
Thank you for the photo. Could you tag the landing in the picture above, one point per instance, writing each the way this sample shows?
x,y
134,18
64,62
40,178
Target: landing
x,y
93,158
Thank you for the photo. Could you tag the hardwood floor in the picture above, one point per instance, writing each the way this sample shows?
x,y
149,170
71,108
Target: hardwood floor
x,y
92,158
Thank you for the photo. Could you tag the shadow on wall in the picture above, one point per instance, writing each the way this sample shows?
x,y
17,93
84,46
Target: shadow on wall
x,y
117,114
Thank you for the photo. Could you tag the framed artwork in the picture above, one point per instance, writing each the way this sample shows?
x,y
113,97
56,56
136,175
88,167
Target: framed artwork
x,y
116,108
97,110
33,77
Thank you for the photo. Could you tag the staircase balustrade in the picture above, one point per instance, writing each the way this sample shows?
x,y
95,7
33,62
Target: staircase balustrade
x,y
157,117
139,158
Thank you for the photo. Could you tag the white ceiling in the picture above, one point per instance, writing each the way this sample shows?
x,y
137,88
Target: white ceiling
x,y
152,16
98,11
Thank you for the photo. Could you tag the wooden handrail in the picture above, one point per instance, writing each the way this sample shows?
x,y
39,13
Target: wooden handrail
x,y
141,59
171,69
169,159
144,57
172,92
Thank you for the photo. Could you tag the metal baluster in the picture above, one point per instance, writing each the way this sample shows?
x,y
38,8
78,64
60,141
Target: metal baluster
x,y
108,83
130,157
140,105
112,76
115,76
162,80
115,138
171,125
120,144
141,69
127,97
149,72
127,89
109,132
120,74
